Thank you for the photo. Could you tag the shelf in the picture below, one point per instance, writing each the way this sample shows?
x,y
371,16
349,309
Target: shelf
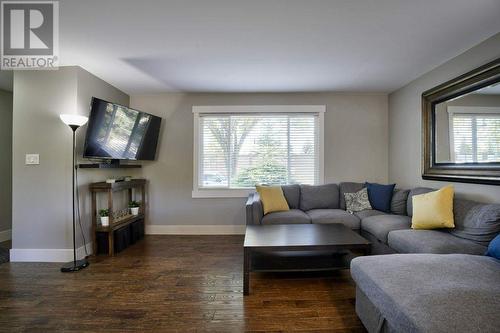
x,y
108,166
120,223
132,187
118,186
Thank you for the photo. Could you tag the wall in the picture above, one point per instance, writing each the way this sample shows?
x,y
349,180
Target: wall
x,y
5,165
356,149
42,213
405,122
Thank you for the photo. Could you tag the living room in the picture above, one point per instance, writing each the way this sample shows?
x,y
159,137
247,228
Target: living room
x,y
250,166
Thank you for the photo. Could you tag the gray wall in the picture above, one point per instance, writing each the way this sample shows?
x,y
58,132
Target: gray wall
x,y
405,122
42,193
5,160
356,149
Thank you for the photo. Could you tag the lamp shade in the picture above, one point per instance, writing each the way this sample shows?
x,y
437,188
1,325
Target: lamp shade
x,y
73,119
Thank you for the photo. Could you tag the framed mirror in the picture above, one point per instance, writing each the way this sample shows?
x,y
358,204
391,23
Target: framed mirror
x,y
461,128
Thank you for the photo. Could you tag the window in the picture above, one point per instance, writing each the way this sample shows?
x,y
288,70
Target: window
x,y
237,147
475,137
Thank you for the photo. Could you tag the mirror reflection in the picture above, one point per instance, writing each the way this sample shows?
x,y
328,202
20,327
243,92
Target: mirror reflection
x,y
467,128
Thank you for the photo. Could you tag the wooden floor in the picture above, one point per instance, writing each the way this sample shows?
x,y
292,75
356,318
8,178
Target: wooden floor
x,y
173,284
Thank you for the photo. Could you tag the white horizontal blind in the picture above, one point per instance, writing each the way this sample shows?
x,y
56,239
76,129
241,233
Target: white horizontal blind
x,y
476,137
242,150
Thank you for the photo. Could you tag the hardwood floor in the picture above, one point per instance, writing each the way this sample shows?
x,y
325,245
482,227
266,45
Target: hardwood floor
x,y
173,284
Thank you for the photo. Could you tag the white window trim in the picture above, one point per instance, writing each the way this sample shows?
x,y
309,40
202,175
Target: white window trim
x,y
240,193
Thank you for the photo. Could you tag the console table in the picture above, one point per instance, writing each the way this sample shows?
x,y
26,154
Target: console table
x,y
115,224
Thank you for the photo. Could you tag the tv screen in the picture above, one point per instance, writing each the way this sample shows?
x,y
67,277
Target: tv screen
x,y
118,132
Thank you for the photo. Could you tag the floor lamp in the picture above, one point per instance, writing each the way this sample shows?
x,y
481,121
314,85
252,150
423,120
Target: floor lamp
x,y
74,122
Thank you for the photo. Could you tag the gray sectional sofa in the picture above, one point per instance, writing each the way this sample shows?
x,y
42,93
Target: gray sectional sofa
x,y
475,223
426,280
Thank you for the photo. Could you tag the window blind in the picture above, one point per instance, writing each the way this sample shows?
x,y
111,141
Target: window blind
x,y
242,150
476,137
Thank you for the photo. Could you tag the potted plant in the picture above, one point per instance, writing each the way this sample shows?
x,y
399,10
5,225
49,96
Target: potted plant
x,y
134,207
104,214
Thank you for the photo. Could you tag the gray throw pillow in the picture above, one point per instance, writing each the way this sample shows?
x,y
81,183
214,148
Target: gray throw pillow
x,y
398,202
356,202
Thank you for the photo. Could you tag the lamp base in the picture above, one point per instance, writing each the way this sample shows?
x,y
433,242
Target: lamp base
x,y
75,266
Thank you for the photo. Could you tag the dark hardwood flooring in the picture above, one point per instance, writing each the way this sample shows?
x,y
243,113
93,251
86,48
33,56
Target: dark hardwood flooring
x,y
173,284
6,244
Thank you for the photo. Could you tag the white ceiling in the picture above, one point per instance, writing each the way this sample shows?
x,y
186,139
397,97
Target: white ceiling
x,y
269,45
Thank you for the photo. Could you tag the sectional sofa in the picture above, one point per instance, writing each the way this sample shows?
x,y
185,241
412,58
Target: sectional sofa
x,y
426,280
475,223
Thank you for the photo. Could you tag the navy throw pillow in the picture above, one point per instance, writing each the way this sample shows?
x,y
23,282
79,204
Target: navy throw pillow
x,y
494,248
380,196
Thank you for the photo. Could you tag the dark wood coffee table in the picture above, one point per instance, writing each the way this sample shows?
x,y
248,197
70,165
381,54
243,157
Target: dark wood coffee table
x,y
298,237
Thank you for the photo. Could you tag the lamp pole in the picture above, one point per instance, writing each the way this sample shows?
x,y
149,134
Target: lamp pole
x,y
74,122
74,128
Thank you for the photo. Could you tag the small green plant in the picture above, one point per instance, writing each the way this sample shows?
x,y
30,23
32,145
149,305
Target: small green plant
x,y
133,204
103,212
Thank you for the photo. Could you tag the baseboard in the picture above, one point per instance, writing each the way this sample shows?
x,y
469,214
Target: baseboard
x,y
48,255
195,229
5,235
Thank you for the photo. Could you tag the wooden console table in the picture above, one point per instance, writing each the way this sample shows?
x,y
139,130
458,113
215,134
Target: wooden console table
x,y
114,224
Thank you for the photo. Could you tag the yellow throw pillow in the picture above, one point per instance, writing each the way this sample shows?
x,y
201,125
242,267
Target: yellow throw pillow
x,y
433,210
273,199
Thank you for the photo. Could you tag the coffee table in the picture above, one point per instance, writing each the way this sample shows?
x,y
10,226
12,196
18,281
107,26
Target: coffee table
x,y
298,237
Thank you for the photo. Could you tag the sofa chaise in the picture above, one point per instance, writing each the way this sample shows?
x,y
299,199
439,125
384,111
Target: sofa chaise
x,y
436,293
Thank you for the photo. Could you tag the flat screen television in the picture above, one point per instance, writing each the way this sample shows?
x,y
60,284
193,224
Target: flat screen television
x,y
116,132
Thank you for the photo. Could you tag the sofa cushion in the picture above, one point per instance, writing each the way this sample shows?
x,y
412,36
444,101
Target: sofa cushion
x,y
357,202
380,196
273,199
380,225
292,195
398,202
415,191
292,216
348,187
494,248
334,216
432,293
369,212
319,196
433,210
431,241
477,222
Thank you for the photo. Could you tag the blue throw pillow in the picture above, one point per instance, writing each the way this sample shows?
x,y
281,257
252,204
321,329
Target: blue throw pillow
x,y
494,248
380,196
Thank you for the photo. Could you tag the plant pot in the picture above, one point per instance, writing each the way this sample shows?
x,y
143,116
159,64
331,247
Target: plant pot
x,y
105,221
134,210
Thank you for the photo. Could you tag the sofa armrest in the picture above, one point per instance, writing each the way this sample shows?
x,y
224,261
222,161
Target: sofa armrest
x,y
248,209
254,210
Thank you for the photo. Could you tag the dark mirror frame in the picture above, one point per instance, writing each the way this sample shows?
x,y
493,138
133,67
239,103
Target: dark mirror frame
x,y
480,173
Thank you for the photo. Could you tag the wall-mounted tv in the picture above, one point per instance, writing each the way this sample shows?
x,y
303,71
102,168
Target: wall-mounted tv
x,y
116,132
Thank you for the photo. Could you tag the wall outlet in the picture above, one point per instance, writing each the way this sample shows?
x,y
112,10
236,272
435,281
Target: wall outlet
x,y
32,159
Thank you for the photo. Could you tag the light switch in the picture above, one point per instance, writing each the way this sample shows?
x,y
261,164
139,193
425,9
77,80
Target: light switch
x,y
32,159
